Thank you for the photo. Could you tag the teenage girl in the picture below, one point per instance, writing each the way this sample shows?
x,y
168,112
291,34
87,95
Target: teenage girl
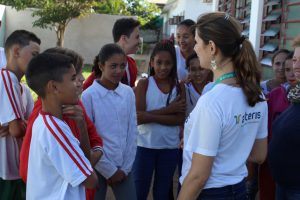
x,y
198,78
160,101
111,106
185,39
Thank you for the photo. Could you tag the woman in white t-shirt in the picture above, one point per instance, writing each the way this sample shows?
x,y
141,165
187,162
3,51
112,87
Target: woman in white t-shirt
x,y
185,39
229,123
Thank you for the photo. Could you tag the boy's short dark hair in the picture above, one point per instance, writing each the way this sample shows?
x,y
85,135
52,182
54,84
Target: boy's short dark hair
x,y
124,26
44,68
77,59
20,37
189,58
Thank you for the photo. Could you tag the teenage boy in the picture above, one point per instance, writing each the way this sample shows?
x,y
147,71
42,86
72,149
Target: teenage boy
x,y
126,34
20,47
54,150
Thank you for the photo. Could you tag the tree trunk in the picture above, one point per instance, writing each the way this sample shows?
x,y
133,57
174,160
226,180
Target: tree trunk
x,y
60,34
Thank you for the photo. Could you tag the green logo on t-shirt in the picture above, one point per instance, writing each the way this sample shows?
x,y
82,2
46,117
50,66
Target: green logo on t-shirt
x,y
247,117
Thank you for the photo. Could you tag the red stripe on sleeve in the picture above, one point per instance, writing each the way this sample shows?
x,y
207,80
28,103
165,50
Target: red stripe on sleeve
x,y
68,142
8,94
64,147
13,94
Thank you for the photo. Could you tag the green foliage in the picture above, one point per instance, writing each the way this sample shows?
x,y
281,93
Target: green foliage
x,y
144,10
112,7
54,13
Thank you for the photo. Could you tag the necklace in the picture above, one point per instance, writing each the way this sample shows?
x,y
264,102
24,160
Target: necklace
x,y
224,77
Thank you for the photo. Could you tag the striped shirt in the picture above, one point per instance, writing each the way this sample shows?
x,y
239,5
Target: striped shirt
x,y
11,107
57,166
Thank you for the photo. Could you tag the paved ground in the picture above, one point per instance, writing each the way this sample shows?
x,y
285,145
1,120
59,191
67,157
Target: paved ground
x,y
110,195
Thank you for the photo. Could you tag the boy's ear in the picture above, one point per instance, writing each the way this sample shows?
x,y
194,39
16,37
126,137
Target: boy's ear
x,y
15,50
51,87
123,38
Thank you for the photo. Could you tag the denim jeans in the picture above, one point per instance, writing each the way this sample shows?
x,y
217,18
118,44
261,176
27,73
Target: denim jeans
x,y
230,192
161,162
284,193
122,191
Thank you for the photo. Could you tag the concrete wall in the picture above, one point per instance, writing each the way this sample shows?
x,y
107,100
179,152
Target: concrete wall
x,y
85,35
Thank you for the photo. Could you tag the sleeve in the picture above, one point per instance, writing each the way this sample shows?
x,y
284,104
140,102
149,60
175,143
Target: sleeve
x,y
206,130
27,100
10,98
104,165
95,139
263,127
63,150
132,70
132,133
89,81
24,153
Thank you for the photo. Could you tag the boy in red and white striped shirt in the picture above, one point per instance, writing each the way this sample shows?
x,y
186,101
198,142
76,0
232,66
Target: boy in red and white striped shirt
x,y
20,47
57,166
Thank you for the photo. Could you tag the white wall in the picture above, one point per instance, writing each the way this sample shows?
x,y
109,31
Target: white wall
x,y
84,35
191,9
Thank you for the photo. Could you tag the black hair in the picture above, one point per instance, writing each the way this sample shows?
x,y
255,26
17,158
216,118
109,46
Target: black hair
x,y
278,52
167,46
44,68
210,75
289,57
190,24
189,58
124,26
20,37
77,59
106,52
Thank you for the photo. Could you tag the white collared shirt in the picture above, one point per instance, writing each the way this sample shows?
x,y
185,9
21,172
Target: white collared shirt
x,y
114,114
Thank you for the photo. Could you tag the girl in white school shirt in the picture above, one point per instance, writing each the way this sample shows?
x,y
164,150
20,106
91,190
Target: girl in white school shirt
x,y
111,106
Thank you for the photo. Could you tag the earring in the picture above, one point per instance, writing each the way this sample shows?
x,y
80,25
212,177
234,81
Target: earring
x,y
213,64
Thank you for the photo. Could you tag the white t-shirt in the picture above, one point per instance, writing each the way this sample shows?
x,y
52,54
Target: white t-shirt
x,y
264,87
182,72
224,126
155,135
114,114
13,106
56,166
192,97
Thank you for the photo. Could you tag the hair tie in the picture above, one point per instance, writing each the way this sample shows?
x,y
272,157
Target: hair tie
x,y
241,40
227,16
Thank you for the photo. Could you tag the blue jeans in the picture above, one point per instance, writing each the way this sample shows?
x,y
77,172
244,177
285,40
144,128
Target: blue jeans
x,y
122,191
230,192
284,193
161,161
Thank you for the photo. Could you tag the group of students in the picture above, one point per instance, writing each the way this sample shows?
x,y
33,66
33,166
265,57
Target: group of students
x,y
121,136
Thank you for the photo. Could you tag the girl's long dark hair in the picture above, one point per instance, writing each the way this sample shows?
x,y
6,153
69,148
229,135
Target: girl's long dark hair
x,y
225,32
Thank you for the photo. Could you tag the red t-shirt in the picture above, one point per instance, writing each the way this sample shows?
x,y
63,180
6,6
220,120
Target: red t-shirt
x,y
132,73
95,140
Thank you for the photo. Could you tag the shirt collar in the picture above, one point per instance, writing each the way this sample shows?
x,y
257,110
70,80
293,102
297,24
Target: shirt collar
x,y
104,91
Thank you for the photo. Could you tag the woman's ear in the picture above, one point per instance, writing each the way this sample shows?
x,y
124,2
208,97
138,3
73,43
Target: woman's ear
x,y
212,47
